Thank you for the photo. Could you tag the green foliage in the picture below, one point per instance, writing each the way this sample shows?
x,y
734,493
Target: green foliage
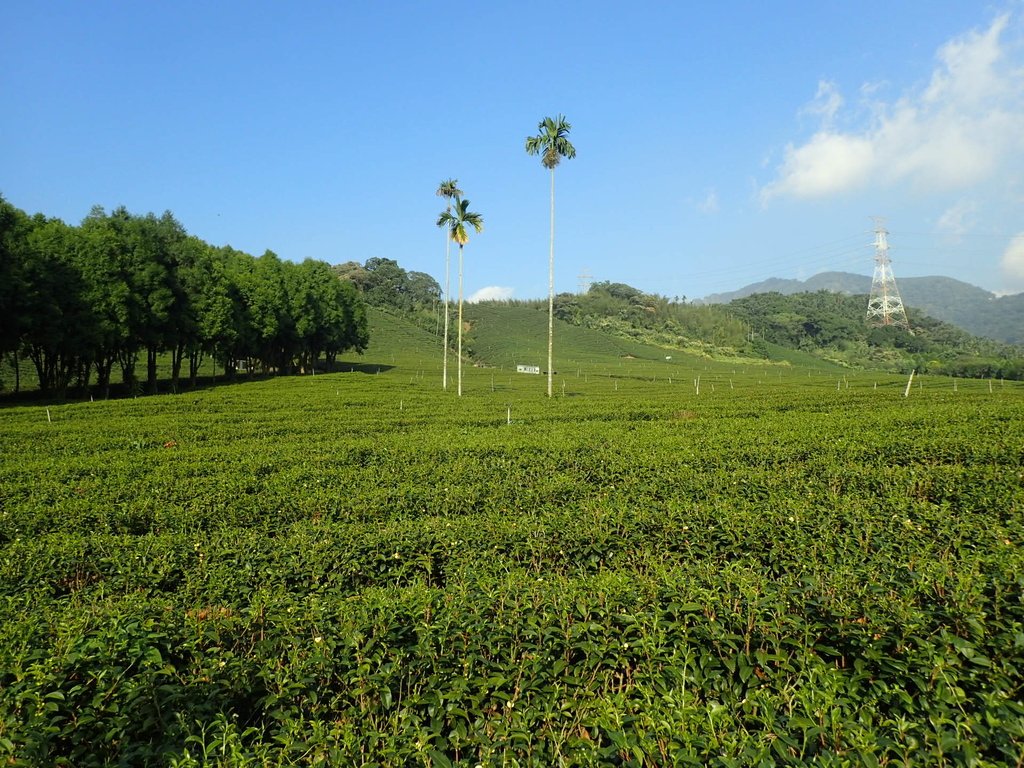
x,y
508,334
14,227
552,142
626,312
54,320
780,568
966,306
459,220
384,284
79,300
832,326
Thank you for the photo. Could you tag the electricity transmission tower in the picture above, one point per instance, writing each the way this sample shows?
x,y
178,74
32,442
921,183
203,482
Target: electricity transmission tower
x,y
585,279
885,307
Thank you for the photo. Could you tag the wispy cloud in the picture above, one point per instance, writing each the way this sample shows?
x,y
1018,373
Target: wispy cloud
x,y
491,293
957,220
959,129
827,102
709,204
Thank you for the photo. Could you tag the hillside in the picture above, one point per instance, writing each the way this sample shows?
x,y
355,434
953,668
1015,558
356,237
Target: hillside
x,y
831,326
967,306
806,328
511,335
613,323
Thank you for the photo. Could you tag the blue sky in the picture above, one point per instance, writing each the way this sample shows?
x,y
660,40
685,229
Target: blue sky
x,y
717,143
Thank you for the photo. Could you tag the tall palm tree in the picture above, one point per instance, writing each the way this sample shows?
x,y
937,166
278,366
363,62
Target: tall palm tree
x,y
457,222
552,144
448,189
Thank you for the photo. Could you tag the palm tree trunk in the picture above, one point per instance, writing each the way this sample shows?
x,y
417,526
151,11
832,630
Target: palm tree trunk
x,y
447,291
551,288
460,321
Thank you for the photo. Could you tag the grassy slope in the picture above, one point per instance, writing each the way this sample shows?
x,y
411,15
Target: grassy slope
x,y
395,340
508,335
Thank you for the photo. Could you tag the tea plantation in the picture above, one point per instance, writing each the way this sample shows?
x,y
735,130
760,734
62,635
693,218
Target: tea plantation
x,y
672,562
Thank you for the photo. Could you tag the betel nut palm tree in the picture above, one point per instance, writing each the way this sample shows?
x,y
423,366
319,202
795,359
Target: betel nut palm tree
x,y
448,189
457,221
552,144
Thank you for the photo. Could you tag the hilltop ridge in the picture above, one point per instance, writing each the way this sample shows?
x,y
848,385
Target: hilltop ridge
x,y
967,306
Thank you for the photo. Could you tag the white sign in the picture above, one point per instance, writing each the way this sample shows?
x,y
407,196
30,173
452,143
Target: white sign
x,y
528,369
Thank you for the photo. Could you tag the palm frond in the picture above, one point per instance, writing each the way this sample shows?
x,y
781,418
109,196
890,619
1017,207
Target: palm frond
x,y
552,143
458,219
449,188
476,221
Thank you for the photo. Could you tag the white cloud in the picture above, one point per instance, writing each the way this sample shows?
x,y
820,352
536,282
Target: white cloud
x,y
959,129
1013,261
827,164
709,204
957,220
491,293
827,102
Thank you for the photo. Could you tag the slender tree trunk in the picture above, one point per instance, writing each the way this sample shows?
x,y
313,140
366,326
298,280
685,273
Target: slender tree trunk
x,y
447,291
17,372
151,369
128,361
460,321
36,354
195,359
104,365
84,374
177,355
551,289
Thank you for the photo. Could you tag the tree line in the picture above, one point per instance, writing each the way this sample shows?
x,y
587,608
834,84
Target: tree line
x,y
628,311
384,283
121,290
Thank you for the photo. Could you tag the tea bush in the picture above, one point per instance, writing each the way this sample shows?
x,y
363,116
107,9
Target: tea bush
x,y
358,569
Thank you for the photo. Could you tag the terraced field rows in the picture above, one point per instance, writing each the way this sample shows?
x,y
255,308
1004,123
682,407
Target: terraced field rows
x,y
791,566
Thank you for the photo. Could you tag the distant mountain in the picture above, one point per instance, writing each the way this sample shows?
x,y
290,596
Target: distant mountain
x,y
964,305
837,282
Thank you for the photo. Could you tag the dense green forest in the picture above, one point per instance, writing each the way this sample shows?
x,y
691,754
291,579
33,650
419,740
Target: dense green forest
x,y
121,288
385,284
832,326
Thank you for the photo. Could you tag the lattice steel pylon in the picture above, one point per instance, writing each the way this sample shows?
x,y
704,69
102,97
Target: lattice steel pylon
x,y
885,307
585,279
